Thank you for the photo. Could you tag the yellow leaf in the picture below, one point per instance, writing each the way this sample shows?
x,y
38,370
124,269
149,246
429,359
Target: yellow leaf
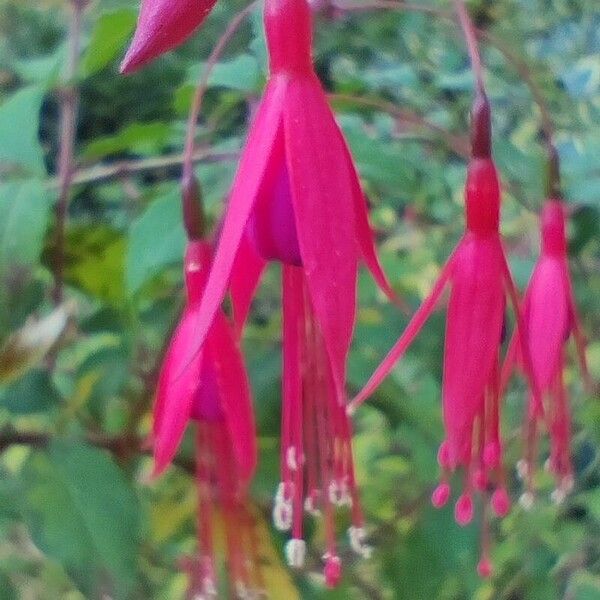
x,y
30,344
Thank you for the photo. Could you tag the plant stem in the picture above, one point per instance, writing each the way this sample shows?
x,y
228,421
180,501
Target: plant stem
x,y
471,39
459,145
68,119
212,60
123,168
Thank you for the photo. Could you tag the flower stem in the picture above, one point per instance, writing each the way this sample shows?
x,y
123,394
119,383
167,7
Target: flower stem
x,y
68,119
212,60
471,39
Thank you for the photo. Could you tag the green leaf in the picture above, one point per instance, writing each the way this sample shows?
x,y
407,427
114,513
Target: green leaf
x,y
241,73
110,33
45,69
140,138
583,586
19,124
24,215
82,512
157,239
94,261
33,393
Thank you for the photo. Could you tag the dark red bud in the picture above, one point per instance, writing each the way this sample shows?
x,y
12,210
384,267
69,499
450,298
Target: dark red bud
x,y
553,181
481,127
191,199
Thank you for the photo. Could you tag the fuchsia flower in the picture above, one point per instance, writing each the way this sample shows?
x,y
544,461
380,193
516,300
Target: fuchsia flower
x,y
163,25
297,199
213,391
479,279
550,316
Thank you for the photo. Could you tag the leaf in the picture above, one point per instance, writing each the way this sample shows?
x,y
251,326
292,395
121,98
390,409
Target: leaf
x,y
24,214
82,512
139,138
45,69
33,393
277,580
19,124
94,261
242,73
583,586
157,240
27,346
111,32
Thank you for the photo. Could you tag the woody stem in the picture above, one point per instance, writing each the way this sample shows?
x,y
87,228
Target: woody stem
x,y
68,118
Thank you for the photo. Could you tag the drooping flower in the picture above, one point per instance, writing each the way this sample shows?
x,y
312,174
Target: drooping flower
x,y
213,391
163,25
550,316
479,279
297,199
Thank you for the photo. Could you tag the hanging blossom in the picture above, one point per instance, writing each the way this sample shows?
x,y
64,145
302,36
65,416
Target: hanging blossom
x,y
213,391
163,25
479,279
550,316
297,199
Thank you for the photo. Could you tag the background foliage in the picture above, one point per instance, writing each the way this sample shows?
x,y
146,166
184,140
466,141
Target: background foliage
x,y
77,518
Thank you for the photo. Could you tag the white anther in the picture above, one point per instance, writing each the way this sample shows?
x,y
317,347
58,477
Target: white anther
x,y
527,500
194,267
280,493
522,469
295,553
339,494
292,459
282,514
547,465
209,590
357,537
558,496
310,507
567,484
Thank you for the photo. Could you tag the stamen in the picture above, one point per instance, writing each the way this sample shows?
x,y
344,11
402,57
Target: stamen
x,y
500,502
295,553
311,503
463,510
292,458
522,469
357,537
440,495
282,508
558,496
527,500
338,493
332,570
484,568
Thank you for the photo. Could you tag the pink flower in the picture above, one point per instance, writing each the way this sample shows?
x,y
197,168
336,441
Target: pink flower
x,y
297,199
550,316
479,279
213,391
163,25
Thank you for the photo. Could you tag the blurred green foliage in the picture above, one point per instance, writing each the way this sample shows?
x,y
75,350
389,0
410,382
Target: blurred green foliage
x,y
76,516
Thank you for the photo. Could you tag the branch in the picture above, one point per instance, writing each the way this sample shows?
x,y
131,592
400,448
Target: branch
x,y
458,144
68,119
212,60
124,168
